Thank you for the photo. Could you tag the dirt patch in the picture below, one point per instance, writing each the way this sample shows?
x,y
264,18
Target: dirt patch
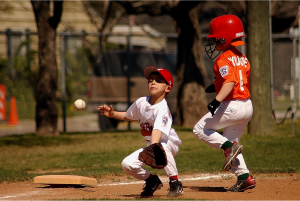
x,y
202,186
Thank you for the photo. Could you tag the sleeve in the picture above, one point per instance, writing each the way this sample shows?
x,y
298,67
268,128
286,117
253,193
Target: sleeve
x,y
226,71
163,122
131,112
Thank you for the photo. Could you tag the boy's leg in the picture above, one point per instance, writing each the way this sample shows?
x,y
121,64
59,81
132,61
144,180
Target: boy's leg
x,y
244,180
132,166
171,150
171,171
205,130
233,116
233,134
230,113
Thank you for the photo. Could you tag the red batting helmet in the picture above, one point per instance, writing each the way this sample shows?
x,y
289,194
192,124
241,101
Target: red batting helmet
x,y
225,30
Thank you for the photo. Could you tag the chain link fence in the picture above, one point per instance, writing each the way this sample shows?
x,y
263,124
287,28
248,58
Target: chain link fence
x,y
285,73
115,75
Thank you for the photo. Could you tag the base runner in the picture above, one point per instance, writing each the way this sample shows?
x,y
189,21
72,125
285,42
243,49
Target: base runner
x,y
232,109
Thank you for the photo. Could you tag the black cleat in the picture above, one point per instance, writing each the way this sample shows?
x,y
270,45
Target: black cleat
x,y
175,189
151,186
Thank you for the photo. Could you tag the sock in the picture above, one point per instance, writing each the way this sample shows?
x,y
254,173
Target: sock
x,y
150,176
174,177
226,145
243,176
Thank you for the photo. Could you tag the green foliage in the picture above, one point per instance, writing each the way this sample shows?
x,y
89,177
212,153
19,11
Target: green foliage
x,y
79,66
111,46
78,71
19,74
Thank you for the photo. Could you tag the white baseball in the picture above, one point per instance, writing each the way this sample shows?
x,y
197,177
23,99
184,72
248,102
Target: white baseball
x,y
79,104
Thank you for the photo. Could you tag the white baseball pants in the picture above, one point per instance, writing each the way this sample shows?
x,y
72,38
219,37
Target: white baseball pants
x,y
132,166
232,116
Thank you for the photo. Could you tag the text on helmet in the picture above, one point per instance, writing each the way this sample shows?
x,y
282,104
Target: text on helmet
x,y
239,34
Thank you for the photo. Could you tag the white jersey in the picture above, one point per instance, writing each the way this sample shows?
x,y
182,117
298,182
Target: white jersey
x,y
151,117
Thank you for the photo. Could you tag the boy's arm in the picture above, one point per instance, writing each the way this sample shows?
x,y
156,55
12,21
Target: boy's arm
x,y
225,91
155,136
109,112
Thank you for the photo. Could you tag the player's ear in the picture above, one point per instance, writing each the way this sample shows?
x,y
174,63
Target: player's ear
x,y
168,89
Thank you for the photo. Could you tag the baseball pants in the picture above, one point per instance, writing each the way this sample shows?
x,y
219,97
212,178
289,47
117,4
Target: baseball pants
x,y
132,166
232,116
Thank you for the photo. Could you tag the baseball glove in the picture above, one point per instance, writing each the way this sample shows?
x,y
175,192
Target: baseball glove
x,y
154,156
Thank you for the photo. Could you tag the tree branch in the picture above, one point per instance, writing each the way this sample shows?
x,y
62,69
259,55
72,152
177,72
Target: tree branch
x,y
95,18
155,8
57,12
114,21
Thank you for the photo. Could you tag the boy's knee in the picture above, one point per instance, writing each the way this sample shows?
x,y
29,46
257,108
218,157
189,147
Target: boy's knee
x,y
125,164
198,131
128,166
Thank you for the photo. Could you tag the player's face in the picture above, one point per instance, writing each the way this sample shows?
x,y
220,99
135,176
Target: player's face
x,y
218,44
157,84
219,47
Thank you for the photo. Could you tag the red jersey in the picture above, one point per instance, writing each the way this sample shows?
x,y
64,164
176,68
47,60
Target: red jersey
x,y
233,66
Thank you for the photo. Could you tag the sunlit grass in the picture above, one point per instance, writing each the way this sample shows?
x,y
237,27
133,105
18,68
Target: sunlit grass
x,y
99,154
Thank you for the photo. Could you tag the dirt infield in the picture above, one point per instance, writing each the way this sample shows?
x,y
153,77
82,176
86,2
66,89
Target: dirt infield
x,y
202,186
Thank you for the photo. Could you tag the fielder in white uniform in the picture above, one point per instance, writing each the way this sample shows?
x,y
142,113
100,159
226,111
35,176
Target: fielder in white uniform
x,y
153,114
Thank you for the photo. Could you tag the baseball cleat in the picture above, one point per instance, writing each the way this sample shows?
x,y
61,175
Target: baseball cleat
x,y
242,185
230,155
151,186
175,189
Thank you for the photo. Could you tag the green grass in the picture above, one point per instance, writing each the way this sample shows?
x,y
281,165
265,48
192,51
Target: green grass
x,y
283,105
99,154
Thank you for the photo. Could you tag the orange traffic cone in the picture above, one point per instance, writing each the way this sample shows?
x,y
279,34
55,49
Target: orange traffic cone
x,y
13,115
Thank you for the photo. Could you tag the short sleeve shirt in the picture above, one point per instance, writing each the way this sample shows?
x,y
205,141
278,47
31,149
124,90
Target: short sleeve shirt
x,y
233,66
151,117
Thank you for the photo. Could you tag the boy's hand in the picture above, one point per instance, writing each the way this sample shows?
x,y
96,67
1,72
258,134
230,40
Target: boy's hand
x,y
106,111
213,105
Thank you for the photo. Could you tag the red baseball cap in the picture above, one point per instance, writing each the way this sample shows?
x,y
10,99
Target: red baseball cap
x,y
165,73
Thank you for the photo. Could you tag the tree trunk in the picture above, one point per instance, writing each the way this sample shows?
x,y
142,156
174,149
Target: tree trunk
x,y
45,92
191,98
258,53
191,74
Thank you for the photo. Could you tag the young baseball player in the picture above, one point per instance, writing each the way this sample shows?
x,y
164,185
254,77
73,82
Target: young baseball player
x,y
232,109
153,115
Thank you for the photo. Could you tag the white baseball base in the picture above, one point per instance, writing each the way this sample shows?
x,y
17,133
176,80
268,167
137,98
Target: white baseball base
x,y
65,180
